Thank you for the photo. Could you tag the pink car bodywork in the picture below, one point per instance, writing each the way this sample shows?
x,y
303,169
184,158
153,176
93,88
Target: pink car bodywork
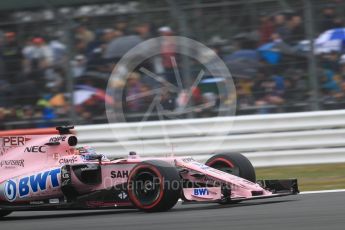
x,y
34,165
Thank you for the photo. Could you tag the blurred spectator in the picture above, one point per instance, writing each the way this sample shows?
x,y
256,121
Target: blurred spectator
x,y
168,46
329,61
59,103
38,55
209,104
2,118
45,111
133,89
83,36
168,100
329,83
279,87
79,65
340,96
280,27
4,93
328,17
59,52
266,28
2,66
145,30
118,46
295,30
342,67
12,57
168,53
121,25
258,89
182,101
269,71
110,34
54,78
103,37
147,97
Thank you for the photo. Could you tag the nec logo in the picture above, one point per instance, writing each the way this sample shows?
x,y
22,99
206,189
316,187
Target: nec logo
x,y
35,149
13,141
201,192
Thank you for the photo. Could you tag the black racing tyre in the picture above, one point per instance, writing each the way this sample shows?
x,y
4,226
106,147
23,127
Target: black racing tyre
x,y
154,186
4,213
233,163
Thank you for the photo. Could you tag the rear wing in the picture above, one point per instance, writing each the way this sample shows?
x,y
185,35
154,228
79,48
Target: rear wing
x,y
14,139
30,150
61,130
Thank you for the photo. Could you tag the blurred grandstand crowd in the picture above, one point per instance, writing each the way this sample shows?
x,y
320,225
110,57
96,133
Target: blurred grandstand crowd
x,y
269,65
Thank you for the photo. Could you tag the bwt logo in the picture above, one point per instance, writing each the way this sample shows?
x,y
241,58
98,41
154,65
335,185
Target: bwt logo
x,y
201,192
13,141
34,184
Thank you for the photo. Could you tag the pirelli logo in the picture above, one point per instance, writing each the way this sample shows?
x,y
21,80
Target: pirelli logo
x,y
13,141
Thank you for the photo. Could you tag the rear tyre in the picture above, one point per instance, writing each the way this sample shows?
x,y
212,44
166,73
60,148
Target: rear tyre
x,y
233,163
154,186
4,213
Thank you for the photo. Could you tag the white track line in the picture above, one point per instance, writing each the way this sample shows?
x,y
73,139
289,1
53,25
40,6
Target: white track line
x,y
323,191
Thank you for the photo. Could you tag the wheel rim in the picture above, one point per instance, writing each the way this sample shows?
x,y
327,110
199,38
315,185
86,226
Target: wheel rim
x,y
146,187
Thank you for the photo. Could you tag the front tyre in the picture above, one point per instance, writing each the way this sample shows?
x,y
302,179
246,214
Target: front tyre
x,y
4,213
233,163
154,186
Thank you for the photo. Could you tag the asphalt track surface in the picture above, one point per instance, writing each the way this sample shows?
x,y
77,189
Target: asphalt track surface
x,y
324,211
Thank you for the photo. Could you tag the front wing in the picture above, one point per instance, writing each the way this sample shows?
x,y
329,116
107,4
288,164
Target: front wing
x,y
220,186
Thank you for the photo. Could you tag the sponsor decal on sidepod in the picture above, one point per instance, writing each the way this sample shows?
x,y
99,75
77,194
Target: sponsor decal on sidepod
x,y
7,143
72,160
57,139
12,163
35,149
34,183
119,174
13,141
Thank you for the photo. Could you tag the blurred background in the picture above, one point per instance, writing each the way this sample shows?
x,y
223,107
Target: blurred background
x,y
56,57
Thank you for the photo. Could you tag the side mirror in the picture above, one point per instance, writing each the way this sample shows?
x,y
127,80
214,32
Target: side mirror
x,y
96,157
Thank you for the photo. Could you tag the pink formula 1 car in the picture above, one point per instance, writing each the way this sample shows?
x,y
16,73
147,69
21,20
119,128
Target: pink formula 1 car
x,y
43,170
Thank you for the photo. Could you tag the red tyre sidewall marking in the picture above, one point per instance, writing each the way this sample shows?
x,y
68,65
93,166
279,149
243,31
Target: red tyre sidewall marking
x,y
229,163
